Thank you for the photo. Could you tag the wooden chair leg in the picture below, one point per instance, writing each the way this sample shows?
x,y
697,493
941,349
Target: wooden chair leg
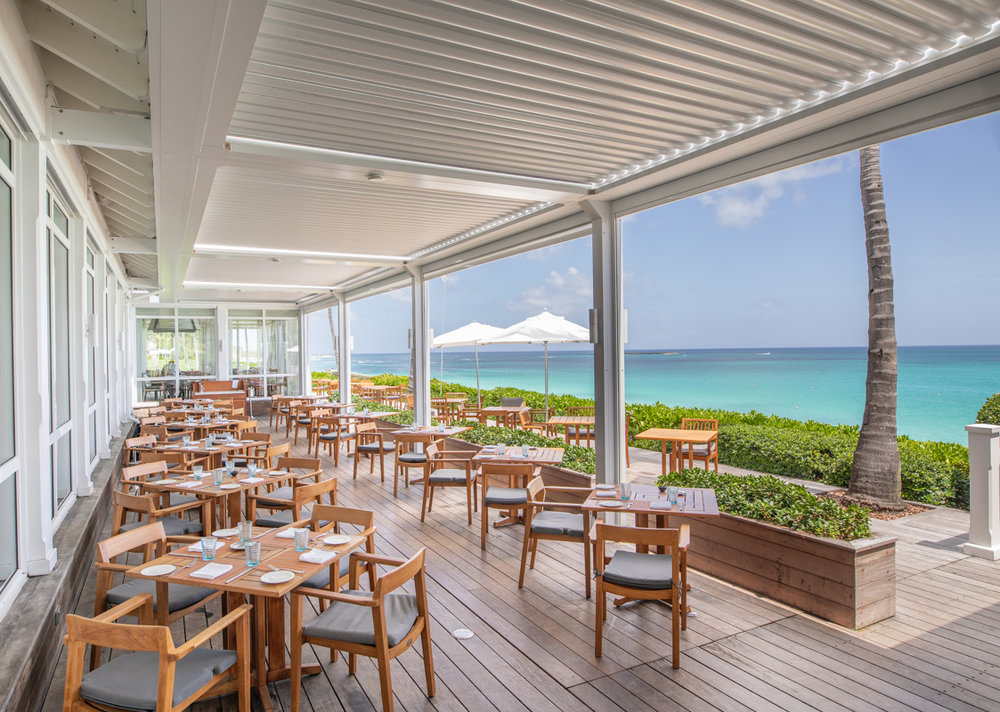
x,y
352,663
534,552
675,632
295,623
599,614
425,642
524,554
423,503
385,680
468,500
484,516
586,565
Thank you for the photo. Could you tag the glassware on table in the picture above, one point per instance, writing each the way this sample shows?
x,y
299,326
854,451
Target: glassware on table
x,y
227,464
208,544
524,450
301,539
252,468
500,449
681,501
218,475
625,488
197,471
246,530
251,550
185,440
672,495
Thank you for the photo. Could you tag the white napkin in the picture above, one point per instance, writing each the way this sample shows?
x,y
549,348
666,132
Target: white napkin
x,y
165,482
211,571
285,534
191,485
316,556
196,547
608,494
252,480
660,504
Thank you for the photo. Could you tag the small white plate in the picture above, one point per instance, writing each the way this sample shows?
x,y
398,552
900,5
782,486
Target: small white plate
x,y
604,487
165,482
225,532
612,505
336,539
277,577
238,546
158,570
229,486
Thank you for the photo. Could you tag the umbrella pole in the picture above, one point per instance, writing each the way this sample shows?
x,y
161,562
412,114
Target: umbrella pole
x,y
479,398
546,380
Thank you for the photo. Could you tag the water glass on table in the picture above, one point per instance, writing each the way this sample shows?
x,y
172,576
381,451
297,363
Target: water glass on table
x,y
246,531
251,550
500,449
672,495
626,489
208,544
197,471
185,440
301,539
218,475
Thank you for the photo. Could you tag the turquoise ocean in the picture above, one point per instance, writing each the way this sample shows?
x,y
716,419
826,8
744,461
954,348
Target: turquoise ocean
x,y
941,388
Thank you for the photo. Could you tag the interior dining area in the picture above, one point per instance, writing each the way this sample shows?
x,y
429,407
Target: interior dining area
x,y
191,519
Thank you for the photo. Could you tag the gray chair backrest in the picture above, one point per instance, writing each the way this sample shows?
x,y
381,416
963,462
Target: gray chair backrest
x,y
511,402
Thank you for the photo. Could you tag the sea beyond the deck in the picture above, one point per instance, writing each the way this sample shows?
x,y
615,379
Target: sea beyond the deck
x,y
941,388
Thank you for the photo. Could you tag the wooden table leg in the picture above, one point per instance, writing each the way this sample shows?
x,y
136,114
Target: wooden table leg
x,y
259,620
663,456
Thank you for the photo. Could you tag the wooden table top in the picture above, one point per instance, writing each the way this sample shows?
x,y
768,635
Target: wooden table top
x,y
430,433
678,435
512,455
504,409
274,551
206,487
198,447
571,420
207,410
698,502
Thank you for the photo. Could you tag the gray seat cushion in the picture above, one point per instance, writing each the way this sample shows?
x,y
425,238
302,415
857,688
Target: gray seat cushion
x,y
174,427
128,682
700,450
327,437
178,498
447,476
373,447
179,596
353,624
511,402
275,519
584,432
321,579
557,523
506,495
646,571
414,458
172,526
283,493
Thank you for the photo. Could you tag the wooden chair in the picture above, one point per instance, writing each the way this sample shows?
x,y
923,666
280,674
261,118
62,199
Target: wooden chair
x,y
585,432
371,442
267,455
135,446
139,680
329,518
512,498
332,432
407,458
553,521
705,453
380,625
285,510
469,410
634,575
148,508
435,475
534,420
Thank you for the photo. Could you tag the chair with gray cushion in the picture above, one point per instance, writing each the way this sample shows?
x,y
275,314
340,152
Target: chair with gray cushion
x,y
449,468
149,507
697,451
640,576
583,432
554,521
156,675
328,519
513,498
380,624
371,442
287,511
408,457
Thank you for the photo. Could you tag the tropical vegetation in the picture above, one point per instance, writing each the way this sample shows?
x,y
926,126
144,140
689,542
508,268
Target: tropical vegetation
x,y
990,412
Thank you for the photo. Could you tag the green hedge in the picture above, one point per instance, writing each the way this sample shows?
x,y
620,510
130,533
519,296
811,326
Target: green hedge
x,y
575,457
990,412
775,501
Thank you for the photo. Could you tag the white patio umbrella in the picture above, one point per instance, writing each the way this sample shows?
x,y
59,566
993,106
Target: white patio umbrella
x,y
544,328
471,334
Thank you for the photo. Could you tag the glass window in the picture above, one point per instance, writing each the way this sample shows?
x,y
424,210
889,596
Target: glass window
x,y
4,148
91,342
156,363
283,355
59,339
8,529
62,472
92,433
196,312
196,347
147,311
60,219
90,254
6,328
246,312
246,345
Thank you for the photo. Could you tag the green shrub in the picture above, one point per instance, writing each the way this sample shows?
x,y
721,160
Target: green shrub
x,y
990,412
775,501
575,457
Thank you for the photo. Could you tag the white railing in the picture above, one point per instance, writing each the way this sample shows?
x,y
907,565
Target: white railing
x,y
984,492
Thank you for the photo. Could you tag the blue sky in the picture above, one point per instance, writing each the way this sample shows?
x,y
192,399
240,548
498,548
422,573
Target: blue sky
x,y
776,261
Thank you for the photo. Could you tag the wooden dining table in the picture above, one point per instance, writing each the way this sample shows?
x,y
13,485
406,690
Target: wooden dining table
x,y
448,408
501,413
677,436
513,455
431,433
215,452
582,423
268,660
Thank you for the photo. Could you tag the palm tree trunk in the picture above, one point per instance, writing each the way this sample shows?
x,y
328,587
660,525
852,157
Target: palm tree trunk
x,y
875,473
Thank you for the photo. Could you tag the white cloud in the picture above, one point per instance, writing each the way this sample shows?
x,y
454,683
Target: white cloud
x,y
544,253
740,205
564,294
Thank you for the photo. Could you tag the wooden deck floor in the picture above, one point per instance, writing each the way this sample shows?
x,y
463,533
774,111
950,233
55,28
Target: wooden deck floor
x,y
533,648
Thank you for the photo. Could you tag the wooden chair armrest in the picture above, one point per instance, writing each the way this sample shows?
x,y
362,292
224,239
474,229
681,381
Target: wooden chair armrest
x,y
126,607
377,558
179,507
568,489
214,629
544,504
334,596
102,566
464,454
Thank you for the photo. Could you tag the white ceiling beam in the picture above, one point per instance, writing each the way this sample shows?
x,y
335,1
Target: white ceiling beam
x,y
125,71
498,184
139,188
134,245
298,255
143,283
89,128
110,195
117,24
199,51
119,163
83,85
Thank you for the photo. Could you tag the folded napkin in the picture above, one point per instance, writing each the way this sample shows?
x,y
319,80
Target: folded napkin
x,y
316,556
253,480
605,493
660,504
211,571
192,485
285,534
196,547
165,482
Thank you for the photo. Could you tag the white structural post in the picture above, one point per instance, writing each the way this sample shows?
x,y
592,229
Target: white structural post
x,y
984,492
607,324
344,348
421,344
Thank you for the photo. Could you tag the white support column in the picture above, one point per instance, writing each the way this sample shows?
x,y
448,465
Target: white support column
x,y
305,373
608,333
100,337
344,347
31,351
224,365
420,343
984,492
82,484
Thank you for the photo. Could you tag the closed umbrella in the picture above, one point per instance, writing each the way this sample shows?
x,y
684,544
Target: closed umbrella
x,y
544,328
471,334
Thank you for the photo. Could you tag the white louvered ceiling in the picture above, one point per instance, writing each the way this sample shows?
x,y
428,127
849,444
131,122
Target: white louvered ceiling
x,y
602,95
93,55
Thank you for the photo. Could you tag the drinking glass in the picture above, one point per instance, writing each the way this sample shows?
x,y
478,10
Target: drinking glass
x,y
227,465
251,550
252,469
500,449
681,500
626,489
218,475
301,539
246,530
197,470
524,450
208,544
672,495
186,440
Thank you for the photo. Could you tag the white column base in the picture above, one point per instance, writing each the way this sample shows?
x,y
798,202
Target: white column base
x,y
42,567
981,552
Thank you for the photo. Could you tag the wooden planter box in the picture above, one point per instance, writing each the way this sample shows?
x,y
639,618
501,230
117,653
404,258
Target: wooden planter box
x,y
851,583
